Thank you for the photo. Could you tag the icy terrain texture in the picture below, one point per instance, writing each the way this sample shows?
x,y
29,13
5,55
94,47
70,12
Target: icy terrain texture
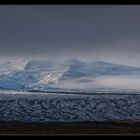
x,y
60,107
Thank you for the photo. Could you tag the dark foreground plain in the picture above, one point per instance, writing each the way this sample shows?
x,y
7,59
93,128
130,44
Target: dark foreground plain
x,y
93,127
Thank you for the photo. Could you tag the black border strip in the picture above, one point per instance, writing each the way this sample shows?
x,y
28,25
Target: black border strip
x,y
69,2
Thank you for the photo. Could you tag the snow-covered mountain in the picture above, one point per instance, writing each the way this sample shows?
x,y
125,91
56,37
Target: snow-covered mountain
x,y
39,65
11,65
81,69
70,75
18,80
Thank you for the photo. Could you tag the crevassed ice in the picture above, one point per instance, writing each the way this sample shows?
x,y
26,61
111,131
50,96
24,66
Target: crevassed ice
x,y
49,78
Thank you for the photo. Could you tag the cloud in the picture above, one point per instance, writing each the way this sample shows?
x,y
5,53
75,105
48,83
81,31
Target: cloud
x,y
122,82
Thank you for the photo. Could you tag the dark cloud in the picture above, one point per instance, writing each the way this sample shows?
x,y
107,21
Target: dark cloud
x,y
69,30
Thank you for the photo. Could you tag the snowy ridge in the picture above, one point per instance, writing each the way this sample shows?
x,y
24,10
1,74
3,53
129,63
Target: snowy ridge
x,y
39,65
7,66
70,75
78,69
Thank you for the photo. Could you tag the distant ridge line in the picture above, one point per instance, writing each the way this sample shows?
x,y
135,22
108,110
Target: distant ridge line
x,y
83,93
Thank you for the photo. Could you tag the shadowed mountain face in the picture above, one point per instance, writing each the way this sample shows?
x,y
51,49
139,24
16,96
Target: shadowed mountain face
x,y
81,69
39,65
38,73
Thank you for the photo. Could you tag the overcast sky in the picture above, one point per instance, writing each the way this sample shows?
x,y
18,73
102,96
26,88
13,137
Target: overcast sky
x,y
89,32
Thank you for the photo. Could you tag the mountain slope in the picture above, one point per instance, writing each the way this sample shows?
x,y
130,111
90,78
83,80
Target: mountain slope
x,y
81,69
39,65
72,74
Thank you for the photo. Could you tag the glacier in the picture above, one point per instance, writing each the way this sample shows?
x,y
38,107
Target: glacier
x,y
74,90
53,107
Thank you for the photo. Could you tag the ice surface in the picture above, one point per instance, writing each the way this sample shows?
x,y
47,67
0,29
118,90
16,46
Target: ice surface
x,y
26,106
